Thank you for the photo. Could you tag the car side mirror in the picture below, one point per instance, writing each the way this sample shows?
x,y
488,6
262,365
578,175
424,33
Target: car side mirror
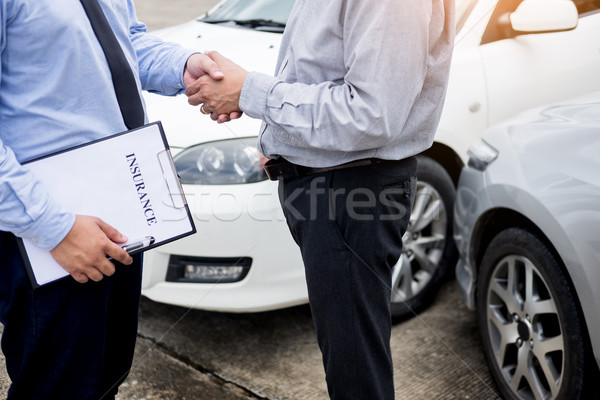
x,y
541,16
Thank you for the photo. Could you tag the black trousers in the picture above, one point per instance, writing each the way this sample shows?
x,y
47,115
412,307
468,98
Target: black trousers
x,y
67,340
349,225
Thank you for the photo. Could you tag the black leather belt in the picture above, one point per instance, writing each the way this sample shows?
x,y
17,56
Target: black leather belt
x,y
281,168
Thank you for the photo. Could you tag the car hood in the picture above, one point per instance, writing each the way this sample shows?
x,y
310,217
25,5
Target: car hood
x,y
561,138
185,125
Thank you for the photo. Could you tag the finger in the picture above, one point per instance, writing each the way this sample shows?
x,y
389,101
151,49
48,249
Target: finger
x,y
223,118
118,254
235,115
195,98
192,88
214,55
94,274
80,277
87,273
212,69
219,58
193,91
106,267
110,232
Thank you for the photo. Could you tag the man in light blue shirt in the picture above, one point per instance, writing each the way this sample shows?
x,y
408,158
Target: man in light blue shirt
x,y
68,339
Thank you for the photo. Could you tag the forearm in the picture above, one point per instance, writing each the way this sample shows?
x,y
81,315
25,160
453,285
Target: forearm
x,y
329,116
161,64
26,208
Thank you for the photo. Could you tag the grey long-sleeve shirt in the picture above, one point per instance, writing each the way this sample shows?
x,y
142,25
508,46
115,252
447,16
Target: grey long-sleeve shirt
x,y
355,79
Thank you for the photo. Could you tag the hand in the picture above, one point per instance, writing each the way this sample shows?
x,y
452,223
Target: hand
x,y
199,65
219,96
82,253
262,160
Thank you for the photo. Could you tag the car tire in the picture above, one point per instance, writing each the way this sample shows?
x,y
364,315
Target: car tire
x,y
528,318
428,251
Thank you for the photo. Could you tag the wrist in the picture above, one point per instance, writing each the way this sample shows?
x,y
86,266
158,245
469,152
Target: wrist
x,y
187,75
255,89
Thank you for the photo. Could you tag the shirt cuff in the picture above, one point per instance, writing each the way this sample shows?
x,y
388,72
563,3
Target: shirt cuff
x,y
181,59
253,98
51,228
166,77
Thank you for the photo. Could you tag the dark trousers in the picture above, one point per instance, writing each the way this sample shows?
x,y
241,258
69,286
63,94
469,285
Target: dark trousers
x,y
66,340
349,225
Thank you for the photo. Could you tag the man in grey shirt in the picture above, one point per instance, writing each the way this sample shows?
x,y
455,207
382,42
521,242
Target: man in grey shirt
x,y
358,92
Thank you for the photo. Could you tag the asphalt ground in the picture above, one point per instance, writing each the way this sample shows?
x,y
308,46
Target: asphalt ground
x,y
193,354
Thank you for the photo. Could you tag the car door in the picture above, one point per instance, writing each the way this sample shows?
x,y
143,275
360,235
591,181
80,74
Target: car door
x,y
534,69
464,116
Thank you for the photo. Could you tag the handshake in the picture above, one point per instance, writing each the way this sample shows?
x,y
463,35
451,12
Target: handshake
x,y
215,83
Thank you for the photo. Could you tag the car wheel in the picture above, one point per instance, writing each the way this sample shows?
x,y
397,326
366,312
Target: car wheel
x,y
528,319
428,249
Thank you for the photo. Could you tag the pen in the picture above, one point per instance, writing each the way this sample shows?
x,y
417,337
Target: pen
x,y
140,244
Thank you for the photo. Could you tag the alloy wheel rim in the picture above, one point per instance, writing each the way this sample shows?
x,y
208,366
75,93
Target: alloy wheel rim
x,y
524,329
422,244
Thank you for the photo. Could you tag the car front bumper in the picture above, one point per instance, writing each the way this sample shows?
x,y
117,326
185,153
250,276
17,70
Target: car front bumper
x,y
233,222
471,202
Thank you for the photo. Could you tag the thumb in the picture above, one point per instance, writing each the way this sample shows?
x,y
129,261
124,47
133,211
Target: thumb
x,y
211,68
223,62
214,72
111,232
216,56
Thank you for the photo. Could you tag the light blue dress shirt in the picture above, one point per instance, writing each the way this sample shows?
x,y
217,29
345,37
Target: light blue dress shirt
x,y
56,92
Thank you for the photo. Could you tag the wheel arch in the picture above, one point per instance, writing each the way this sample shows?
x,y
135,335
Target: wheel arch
x,y
490,224
447,158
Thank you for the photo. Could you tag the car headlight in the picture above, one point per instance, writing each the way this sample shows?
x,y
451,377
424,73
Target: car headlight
x,y
481,155
223,162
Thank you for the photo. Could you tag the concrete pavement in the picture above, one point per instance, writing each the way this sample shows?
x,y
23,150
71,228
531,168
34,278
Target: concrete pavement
x,y
199,355
274,355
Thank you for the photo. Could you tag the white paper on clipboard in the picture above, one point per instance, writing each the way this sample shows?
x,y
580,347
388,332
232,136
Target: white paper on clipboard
x,y
128,180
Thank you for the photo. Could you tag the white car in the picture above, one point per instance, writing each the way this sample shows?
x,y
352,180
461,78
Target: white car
x,y
509,55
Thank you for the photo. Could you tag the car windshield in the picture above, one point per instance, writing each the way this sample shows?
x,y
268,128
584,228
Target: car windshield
x,y
259,14
255,14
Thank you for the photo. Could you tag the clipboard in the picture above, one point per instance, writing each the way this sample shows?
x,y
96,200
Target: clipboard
x,y
127,179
